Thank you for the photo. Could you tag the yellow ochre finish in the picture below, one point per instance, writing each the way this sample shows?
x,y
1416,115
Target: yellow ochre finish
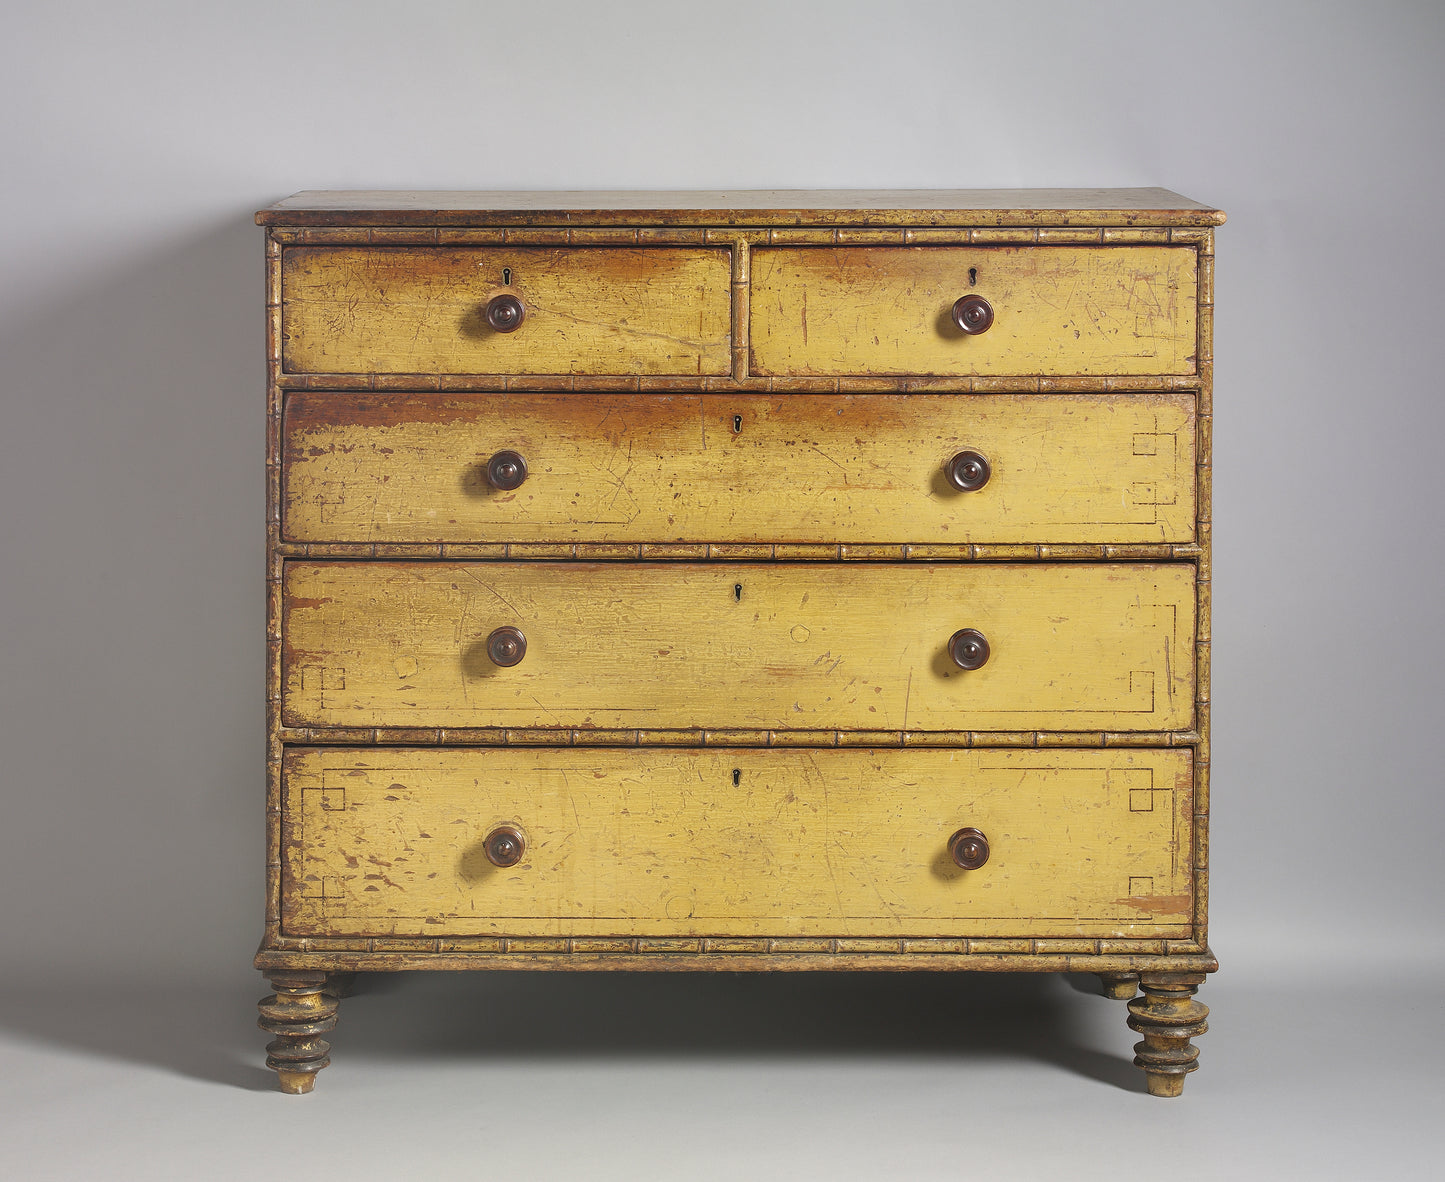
x,y
625,611
422,310
738,467
1058,310
1085,647
804,843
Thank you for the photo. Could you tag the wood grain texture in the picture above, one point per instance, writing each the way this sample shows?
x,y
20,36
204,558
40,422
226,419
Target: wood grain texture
x,y
738,468
836,843
849,646
1058,310
396,309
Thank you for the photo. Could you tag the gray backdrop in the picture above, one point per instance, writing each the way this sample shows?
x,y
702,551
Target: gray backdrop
x,y
138,139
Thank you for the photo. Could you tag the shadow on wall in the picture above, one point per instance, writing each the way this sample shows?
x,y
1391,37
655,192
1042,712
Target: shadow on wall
x,y
485,1017
131,666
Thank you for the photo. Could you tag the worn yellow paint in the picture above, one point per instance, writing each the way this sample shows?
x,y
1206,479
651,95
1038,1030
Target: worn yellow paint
x,y
1057,310
589,310
1098,646
662,842
738,468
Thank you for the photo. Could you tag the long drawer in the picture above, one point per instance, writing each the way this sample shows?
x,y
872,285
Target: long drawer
x,y
726,842
1073,647
1054,310
418,309
738,468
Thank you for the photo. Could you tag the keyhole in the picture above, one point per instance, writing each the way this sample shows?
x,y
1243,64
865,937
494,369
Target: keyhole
x,y
973,277
507,276
737,592
737,424
737,776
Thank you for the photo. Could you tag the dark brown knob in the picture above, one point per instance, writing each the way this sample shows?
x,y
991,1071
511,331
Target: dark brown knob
x,y
507,469
969,648
505,313
973,314
506,646
968,848
968,471
505,846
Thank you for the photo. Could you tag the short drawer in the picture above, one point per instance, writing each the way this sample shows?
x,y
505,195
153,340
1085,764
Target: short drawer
x,y
394,842
738,468
864,646
587,310
1056,310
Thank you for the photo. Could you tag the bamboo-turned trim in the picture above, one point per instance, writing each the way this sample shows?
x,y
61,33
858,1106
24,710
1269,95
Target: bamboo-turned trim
x,y
499,736
727,953
424,383
1204,533
743,551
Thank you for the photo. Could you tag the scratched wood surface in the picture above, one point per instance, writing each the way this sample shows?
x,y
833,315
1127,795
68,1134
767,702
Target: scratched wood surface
x,y
1098,646
1058,310
380,309
783,843
738,468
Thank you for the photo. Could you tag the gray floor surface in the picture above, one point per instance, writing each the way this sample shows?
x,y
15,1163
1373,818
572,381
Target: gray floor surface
x,y
612,1076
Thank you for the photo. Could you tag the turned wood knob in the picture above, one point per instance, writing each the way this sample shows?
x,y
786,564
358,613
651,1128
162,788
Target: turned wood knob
x,y
505,313
968,848
506,646
507,469
973,314
505,845
968,471
969,648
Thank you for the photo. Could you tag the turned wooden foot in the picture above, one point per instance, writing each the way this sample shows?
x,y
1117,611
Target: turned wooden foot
x,y
340,984
298,1013
1168,1017
1119,986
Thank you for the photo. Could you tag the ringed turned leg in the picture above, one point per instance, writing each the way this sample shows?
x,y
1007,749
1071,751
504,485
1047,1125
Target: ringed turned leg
x,y
1119,986
1168,1017
298,1014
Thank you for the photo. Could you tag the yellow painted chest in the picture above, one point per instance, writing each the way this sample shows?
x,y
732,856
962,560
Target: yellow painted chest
x,y
739,581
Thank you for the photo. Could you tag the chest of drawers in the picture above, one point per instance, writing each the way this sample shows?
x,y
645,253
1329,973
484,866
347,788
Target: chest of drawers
x,y
739,581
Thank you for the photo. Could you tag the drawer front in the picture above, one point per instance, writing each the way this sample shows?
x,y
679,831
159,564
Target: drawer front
x,y
384,841
738,468
1057,310
589,310
863,646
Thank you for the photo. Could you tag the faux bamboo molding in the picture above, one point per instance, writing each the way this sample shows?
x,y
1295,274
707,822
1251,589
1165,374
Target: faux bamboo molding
x,y
745,235
696,956
733,737
734,552
304,970
738,382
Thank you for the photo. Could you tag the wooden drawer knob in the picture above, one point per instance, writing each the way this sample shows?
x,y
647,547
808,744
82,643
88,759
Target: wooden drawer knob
x,y
968,848
968,471
969,648
973,314
506,646
506,470
504,846
505,313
